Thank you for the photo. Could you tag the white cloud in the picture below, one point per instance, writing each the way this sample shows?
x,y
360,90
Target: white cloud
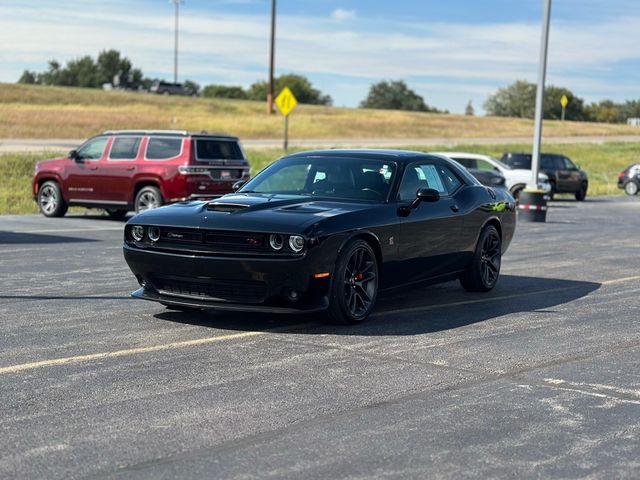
x,y
342,15
443,61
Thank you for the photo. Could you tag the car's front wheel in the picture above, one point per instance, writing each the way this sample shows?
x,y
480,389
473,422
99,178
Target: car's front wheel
x,y
50,200
148,198
482,273
355,284
581,194
631,188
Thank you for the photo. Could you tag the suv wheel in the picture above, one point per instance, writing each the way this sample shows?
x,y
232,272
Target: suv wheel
x,y
50,200
117,214
148,198
631,188
582,193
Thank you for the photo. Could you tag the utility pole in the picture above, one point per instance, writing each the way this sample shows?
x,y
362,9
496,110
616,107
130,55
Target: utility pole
x,y
542,73
177,4
271,58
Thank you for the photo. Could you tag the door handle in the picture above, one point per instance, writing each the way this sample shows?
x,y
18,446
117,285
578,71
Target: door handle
x,y
93,168
455,208
130,169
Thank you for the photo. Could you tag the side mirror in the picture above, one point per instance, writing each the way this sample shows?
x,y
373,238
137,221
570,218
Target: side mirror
x,y
238,185
424,195
427,195
73,155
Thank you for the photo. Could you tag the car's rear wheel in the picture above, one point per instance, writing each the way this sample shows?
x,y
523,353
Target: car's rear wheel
x,y
117,214
482,273
50,200
355,284
147,198
581,194
631,188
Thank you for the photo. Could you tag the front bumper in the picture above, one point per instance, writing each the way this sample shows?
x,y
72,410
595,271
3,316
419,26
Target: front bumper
x,y
227,283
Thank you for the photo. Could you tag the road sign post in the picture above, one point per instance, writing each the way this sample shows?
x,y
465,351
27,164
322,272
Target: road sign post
x,y
564,101
286,101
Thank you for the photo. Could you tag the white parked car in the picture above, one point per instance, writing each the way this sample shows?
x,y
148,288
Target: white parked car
x,y
516,178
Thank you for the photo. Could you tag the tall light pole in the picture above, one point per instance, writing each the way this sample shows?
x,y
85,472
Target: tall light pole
x,y
271,58
177,4
542,73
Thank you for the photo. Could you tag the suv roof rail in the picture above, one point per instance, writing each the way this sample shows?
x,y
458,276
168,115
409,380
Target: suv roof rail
x,y
147,132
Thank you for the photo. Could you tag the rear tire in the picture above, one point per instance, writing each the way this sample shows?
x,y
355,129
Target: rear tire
x,y
117,214
147,198
50,200
631,188
582,193
355,284
483,270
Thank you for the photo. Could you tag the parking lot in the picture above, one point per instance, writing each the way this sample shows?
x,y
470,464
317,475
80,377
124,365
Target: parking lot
x,y
538,378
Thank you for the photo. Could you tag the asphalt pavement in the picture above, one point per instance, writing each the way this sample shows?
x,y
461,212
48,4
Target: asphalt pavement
x,y
538,378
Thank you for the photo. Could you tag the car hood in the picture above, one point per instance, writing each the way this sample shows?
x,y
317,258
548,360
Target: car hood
x,y
252,212
50,164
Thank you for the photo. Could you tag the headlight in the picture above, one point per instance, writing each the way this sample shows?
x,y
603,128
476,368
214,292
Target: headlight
x,y
276,241
296,243
154,234
137,233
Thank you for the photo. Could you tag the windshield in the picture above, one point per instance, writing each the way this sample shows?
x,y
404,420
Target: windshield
x,y
348,178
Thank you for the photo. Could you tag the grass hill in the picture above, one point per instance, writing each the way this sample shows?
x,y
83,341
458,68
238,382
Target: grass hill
x,y
28,111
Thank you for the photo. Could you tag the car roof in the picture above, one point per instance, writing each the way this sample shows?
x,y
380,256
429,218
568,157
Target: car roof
x,y
367,154
172,133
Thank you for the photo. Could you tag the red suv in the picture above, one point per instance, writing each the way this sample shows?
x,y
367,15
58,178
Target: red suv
x,y
123,170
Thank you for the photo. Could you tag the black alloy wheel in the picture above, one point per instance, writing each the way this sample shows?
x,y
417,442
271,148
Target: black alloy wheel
x,y
483,271
355,284
50,200
581,194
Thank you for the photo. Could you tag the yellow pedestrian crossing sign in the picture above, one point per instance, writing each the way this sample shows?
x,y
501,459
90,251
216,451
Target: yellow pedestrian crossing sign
x,y
564,101
286,101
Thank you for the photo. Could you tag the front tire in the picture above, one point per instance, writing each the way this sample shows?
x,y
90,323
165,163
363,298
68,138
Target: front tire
x,y
631,188
581,194
482,273
355,284
50,200
148,198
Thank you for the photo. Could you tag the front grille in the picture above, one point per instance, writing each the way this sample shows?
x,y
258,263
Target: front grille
x,y
245,291
211,241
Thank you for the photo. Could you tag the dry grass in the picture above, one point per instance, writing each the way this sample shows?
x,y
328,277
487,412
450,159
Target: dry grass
x,y
57,112
602,162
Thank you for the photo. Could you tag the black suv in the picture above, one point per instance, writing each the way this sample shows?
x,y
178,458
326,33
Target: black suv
x,y
167,88
564,175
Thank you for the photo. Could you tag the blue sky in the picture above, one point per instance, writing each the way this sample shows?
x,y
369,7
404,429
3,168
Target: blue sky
x,y
449,51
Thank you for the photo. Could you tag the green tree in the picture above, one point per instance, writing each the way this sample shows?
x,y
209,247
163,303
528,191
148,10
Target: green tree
x,y
516,100
519,100
193,86
28,77
299,85
224,91
81,72
469,109
395,95
605,111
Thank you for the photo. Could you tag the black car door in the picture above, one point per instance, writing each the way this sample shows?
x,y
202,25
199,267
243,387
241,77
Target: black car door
x,y
430,233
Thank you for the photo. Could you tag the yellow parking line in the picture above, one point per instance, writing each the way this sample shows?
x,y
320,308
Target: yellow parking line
x,y
126,352
620,280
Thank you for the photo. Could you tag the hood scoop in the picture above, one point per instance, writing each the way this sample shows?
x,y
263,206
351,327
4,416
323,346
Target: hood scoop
x,y
225,207
305,208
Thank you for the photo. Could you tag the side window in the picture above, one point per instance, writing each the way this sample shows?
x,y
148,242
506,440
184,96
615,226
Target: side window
x,y
124,148
467,162
93,149
546,162
568,164
163,148
427,175
558,163
450,181
484,165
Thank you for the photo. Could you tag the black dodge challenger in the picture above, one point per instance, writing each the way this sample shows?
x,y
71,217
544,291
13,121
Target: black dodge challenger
x,y
324,230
